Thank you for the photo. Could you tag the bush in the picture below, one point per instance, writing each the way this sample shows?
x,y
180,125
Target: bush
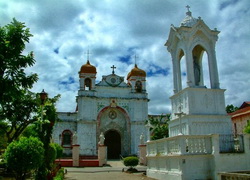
x,y
24,156
131,161
59,175
3,164
59,150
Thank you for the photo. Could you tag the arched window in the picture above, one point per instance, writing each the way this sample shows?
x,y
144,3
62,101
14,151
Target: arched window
x,y
66,138
87,84
201,67
138,86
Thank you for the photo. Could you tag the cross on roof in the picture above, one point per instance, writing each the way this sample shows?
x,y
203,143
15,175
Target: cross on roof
x,y
136,58
88,53
113,67
188,7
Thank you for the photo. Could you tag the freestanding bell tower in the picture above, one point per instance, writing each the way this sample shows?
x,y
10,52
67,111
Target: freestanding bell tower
x,y
196,109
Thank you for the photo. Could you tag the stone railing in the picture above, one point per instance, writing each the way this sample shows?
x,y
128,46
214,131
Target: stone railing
x,y
239,175
198,144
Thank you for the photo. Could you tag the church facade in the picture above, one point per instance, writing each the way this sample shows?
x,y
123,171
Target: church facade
x,y
116,108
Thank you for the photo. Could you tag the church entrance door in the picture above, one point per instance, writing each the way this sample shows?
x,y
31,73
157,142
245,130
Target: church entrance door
x,y
113,143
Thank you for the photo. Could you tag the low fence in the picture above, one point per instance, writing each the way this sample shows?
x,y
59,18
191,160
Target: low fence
x,y
238,176
231,143
197,144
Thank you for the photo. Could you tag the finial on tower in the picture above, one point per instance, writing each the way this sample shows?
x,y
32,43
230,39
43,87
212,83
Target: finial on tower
x,y
88,53
136,58
189,13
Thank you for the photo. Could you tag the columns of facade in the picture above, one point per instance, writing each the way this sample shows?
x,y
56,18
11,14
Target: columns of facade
x,y
102,154
92,82
81,81
175,74
143,154
143,81
178,73
214,75
189,68
75,155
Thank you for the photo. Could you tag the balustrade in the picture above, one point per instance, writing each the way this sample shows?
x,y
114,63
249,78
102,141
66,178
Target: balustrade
x,y
198,144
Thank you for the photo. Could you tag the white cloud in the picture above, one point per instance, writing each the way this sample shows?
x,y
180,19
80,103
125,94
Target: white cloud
x,y
64,30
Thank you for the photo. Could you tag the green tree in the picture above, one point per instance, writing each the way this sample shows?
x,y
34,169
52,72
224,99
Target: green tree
x,y
47,116
16,102
231,108
18,114
160,126
30,130
24,156
247,128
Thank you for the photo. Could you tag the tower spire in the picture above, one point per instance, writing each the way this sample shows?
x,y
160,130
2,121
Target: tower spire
x,y
88,53
136,57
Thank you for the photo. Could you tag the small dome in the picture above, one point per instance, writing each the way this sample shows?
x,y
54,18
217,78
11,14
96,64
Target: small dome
x,y
88,68
189,21
136,72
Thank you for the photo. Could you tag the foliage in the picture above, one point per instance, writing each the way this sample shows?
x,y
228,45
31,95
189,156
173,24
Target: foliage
x,y
24,156
231,108
3,164
18,114
247,128
159,127
16,102
30,130
48,116
3,139
59,150
59,175
131,161
51,154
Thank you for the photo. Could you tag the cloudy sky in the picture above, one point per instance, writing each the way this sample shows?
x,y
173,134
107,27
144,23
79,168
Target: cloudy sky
x,y
115,30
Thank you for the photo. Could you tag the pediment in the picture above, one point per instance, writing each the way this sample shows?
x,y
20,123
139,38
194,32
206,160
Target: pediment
x,y
113,80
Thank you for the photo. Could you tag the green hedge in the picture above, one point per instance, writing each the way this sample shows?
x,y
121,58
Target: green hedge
x,y
131,161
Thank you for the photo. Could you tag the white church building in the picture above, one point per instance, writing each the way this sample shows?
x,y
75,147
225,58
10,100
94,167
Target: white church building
x,y
116,108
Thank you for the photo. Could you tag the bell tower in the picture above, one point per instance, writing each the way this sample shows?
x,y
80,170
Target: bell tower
x,y
196,108
137,79
87,76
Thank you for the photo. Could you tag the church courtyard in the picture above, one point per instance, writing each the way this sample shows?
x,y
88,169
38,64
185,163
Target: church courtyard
x,y
114,171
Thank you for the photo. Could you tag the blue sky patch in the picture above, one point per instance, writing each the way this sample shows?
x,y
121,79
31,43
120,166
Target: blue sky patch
x,y
227,3
71,80
125,59
153,70
56,50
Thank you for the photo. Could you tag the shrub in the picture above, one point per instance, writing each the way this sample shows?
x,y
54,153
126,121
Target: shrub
x,y
131,161
24,156
59,175
59,150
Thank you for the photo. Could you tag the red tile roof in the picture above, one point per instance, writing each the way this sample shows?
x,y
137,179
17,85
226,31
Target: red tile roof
x,y
241,111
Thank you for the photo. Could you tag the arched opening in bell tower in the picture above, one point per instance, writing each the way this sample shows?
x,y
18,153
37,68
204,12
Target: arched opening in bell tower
x,y
182,76
87,84
138,86
201,67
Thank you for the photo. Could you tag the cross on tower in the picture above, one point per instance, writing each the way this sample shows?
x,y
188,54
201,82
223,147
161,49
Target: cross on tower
x,y
135,58
113,67
88,53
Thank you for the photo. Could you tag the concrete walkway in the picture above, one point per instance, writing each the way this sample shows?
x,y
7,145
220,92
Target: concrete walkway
x,y
114,170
